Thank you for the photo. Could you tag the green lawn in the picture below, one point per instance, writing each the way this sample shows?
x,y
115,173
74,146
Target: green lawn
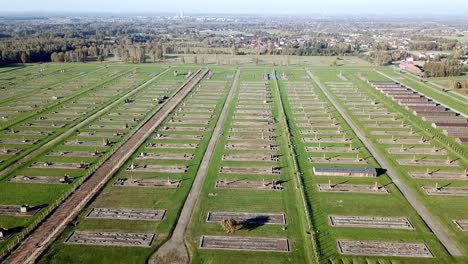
x,y
308,229
445,209
152,198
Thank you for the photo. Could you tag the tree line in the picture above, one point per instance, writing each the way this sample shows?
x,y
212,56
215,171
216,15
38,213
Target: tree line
x,y
77,50
434,44
448,67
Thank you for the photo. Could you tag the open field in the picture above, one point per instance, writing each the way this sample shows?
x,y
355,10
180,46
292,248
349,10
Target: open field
x,y
289,164
357,92
253,120
266,60
48,195
353,201
213,93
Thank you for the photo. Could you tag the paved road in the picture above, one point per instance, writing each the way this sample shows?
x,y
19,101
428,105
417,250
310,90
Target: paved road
x,y
433,224
46,232
176,244
73,130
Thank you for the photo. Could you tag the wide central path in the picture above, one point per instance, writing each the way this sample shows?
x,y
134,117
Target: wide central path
x,y
433,224
175,250
37,241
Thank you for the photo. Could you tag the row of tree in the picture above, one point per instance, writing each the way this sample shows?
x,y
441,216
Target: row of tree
x,y
379,57
25,50
430,43
140,53
448,67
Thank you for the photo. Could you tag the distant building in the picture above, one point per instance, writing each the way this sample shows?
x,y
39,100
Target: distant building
x,y
415,69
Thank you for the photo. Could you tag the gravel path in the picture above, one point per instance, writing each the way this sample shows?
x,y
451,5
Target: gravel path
x,y
433,224
175,246
34,244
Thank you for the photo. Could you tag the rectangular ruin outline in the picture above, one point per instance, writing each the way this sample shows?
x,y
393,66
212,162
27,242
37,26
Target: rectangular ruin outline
x,y
31,212
330,221
137,210
383,242
152,235
386,192
233,249
172,184
456,222
283,215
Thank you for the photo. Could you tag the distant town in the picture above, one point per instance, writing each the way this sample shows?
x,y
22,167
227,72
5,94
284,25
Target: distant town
x,y
151,38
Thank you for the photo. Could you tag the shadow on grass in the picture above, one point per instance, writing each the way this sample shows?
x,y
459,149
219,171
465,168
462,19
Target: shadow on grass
x,y
380,171
282,181
385,185
444,186
255,222
38,207
185,179
11,231
336,184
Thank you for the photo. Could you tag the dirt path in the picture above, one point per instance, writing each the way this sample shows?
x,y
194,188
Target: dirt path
x,y
175,248
29,250
433,224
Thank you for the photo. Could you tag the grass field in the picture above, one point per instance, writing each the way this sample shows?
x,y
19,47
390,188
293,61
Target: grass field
x,y
269,60
170,200
46,195
324,204
256,201
444,208
67,119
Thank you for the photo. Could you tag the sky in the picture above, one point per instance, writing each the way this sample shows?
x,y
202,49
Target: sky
x,y
356,7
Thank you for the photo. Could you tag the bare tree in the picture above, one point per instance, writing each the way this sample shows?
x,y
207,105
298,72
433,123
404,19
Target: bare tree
x,y
24,57
229,225
234,50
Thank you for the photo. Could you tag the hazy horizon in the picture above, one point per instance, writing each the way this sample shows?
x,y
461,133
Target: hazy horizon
x,y
329,7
